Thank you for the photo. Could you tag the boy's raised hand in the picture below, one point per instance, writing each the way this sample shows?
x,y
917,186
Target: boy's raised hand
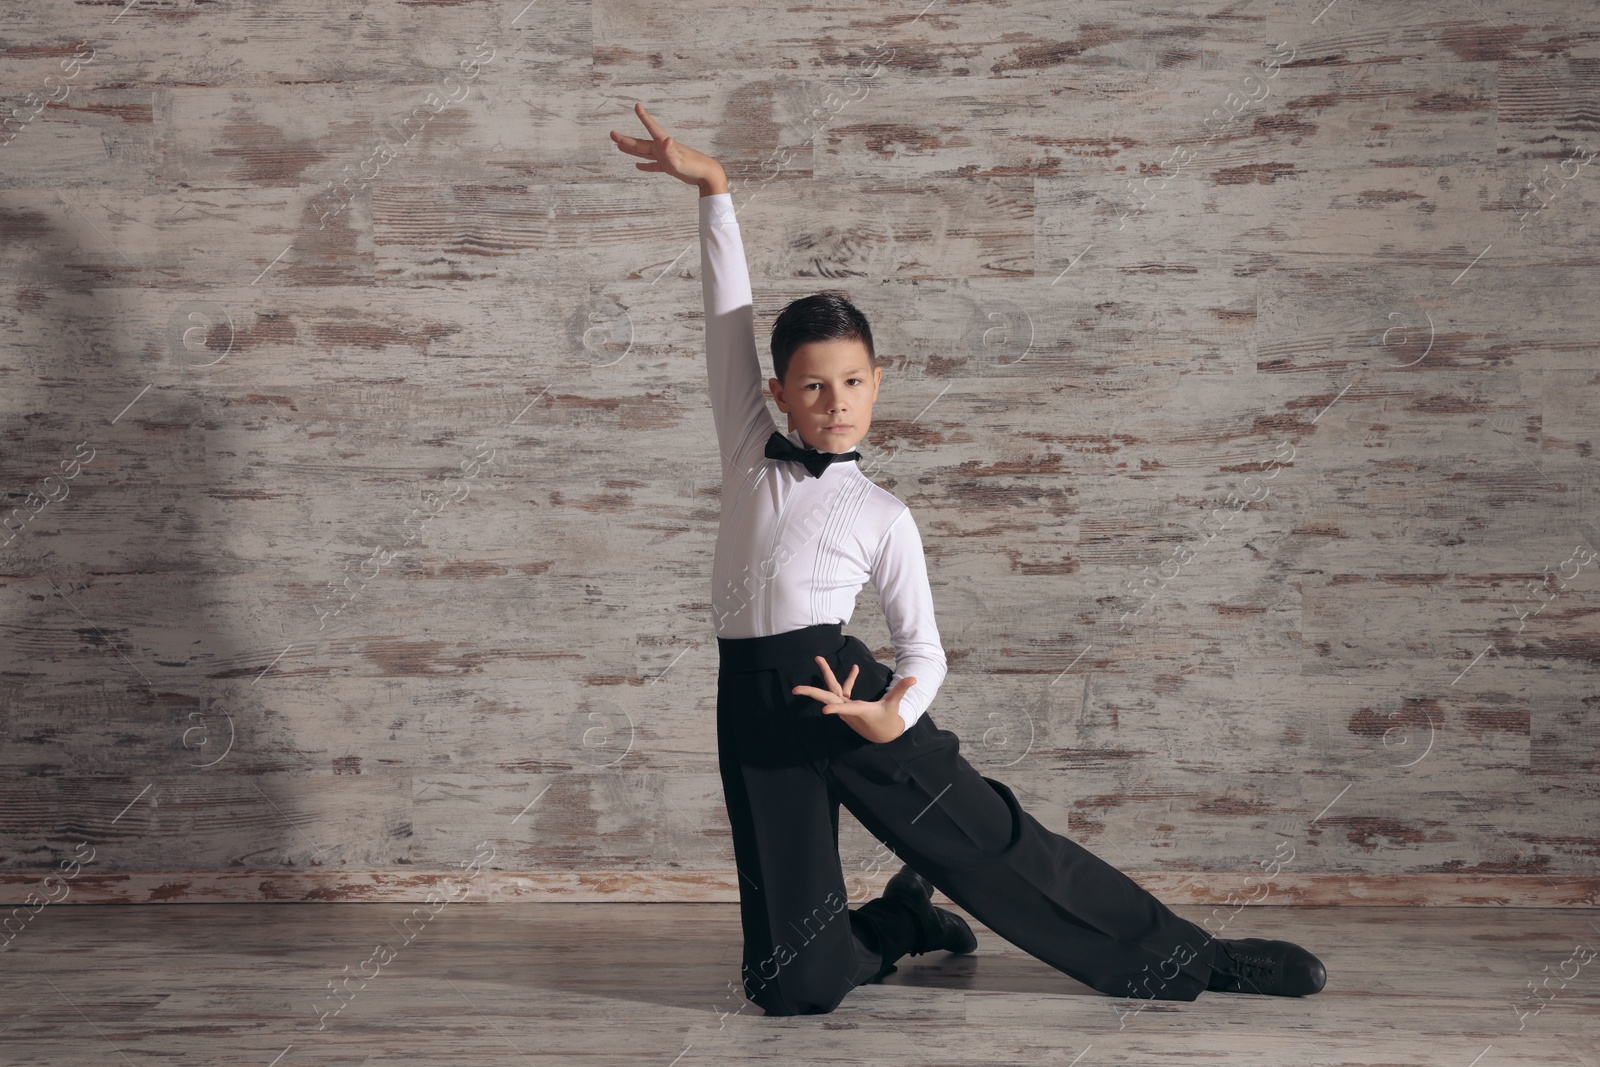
x,y
876,720
669,157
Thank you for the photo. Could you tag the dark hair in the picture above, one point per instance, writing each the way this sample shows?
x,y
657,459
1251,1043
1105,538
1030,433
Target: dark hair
x,y
826,316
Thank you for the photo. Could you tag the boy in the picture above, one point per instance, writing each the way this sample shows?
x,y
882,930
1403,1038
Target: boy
x,y
802,530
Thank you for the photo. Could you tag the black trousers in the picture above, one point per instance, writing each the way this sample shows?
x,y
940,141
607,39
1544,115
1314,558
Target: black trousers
x,y
786,767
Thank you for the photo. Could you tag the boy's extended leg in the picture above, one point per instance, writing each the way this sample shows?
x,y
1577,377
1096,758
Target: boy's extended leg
x,y
1046,894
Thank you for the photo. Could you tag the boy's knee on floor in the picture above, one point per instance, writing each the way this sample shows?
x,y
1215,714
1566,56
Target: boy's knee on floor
x,y
796,993
785,1010
776,1002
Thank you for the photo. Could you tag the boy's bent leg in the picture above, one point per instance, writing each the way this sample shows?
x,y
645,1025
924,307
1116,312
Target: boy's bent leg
x,y
884,930
804,949
970,837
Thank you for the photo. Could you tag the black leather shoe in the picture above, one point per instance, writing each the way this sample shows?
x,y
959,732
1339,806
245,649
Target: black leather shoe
x,y
936,928
1256,965
911,887
949,932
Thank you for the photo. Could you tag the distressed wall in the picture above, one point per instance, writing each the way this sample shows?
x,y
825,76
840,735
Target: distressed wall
x,y
1240,371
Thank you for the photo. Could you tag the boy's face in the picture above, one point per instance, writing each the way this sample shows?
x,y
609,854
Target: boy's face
x,y
828,393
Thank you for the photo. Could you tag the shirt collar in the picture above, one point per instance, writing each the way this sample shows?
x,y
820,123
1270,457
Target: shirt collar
x,y
794,439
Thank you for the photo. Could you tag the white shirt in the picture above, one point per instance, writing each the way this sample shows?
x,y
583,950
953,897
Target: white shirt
x,y
792,549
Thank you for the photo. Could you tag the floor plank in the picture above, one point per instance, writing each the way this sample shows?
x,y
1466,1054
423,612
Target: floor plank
x,y
564,983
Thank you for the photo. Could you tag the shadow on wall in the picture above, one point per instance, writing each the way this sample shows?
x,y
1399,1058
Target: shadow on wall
x,y
118,666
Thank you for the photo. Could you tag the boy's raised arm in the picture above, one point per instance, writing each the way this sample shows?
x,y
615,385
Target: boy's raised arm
x,y
732,366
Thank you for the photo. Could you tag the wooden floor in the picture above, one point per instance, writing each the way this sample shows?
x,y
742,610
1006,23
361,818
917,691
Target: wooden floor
x,y
562,983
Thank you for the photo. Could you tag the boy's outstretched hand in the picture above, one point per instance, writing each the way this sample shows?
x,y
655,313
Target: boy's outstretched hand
x,y
876,720
670,157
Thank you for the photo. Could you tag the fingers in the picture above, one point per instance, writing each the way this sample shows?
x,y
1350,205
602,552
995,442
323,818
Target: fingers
x,y
834,688
649,123
632,145
898,690
833,683
821,696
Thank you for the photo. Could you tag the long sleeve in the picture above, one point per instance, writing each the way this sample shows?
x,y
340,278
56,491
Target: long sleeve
x,y
732,367
900,575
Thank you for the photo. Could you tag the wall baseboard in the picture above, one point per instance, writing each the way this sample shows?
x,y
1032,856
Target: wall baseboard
x,y
717,886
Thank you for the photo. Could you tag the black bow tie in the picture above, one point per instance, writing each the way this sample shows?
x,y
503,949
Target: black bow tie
x,y
780,447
